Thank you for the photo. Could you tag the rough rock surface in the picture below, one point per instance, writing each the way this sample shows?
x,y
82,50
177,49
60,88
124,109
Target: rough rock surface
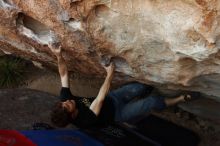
x,y
174,44
21,108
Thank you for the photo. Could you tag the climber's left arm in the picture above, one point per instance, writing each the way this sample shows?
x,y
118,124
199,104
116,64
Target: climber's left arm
x,y
98,102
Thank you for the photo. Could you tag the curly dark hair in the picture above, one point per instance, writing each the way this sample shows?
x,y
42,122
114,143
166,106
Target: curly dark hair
x,y
60,117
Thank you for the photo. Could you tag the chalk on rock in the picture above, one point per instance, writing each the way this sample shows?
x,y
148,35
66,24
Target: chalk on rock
x,y
105,60
54,40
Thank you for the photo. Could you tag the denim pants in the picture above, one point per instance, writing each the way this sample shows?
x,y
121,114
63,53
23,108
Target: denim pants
x,y
126,108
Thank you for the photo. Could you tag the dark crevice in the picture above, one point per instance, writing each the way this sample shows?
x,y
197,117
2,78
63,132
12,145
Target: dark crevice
x,y
121,64
32,24
9,2
34,29
71,19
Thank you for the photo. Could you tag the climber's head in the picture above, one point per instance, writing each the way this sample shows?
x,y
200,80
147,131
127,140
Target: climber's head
x,y
63,113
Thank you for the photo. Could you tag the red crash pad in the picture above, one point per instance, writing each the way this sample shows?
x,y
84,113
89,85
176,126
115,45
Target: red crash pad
x,y
14,138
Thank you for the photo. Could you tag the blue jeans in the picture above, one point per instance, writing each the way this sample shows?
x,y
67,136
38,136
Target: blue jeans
x,y
126,108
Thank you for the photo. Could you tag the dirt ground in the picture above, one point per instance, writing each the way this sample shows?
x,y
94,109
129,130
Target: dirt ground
x,y
207,130
21,107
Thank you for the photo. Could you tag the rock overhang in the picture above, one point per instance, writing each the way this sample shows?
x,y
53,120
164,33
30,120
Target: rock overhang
x,y
172,43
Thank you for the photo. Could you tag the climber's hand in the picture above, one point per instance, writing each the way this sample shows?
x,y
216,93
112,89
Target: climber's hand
x,y
110,69
55,48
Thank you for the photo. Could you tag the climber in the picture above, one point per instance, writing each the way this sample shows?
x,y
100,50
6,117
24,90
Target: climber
x,y
117,105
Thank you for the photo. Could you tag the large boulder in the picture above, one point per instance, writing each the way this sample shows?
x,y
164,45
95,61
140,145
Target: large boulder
x,y
21,108
172,44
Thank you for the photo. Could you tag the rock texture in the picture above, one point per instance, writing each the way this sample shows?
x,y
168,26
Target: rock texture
x,y
26,108
174,44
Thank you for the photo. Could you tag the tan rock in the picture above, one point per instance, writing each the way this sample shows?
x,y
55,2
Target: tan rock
x,y
171,43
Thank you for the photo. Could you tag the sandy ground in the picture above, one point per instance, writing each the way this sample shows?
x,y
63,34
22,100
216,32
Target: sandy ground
x,y
20,108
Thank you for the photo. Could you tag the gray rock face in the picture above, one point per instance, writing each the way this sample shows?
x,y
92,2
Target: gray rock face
x,y
21,108
174,44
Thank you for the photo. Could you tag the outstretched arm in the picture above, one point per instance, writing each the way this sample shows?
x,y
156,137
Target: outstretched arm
x,y
62,67
98,102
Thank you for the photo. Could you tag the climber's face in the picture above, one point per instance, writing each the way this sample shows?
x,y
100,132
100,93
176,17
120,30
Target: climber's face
x,y
69,105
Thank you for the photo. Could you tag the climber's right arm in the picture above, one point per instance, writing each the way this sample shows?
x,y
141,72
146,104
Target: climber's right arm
x,y
62,67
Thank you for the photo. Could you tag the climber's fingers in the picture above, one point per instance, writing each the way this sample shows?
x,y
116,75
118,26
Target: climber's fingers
x,y
56,48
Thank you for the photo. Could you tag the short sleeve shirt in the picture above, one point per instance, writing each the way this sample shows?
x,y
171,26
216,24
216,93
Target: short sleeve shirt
x,y
86,117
